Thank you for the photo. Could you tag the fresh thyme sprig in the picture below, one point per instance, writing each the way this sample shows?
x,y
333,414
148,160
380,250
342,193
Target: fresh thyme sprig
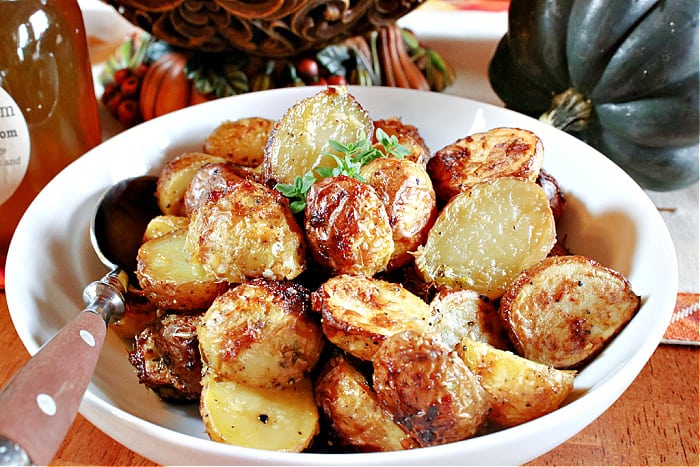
x,y
349,159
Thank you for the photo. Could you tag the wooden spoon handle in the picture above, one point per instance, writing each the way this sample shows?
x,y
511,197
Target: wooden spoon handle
x,y
38,405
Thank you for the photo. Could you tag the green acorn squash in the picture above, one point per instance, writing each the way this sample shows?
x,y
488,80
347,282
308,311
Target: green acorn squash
x,y
621,75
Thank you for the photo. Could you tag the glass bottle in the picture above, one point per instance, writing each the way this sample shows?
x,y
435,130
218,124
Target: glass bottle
x,y
48,108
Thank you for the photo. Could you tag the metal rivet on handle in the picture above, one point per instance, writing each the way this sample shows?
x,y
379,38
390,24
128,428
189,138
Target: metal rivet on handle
x,y
87,337
46,404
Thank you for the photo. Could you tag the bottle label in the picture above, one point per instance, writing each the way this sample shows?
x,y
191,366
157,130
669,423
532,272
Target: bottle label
x,y
14,146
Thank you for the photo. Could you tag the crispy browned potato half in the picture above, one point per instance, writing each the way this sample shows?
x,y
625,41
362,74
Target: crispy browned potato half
x,y
274,419
359,313
408,196
212,178
428,389
347,227
351,406
261,334
484,237
170,279
300,138
461,313
564,309
174,178
161,225
247,232
408,136
241,141
520,389
499,152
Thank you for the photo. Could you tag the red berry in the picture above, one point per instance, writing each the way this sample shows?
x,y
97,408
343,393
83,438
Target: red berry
x,y
113,102
130,86
121,74
128,112
308,70
337,80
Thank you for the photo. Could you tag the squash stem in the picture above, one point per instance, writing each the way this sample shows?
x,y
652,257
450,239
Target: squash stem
x,y
570,111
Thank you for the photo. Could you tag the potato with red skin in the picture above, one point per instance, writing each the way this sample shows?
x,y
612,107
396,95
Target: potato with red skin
x,y
428,389
347,227
408,196
408,136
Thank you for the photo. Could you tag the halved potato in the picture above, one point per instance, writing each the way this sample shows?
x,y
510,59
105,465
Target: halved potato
x,y
564,309
161,225
347,227
408,196
281,419
351,406
174,178
241,141
520,389
484,237
359,313
408,136
300,138
247,232
499,152
261,334
170,279
461,313
428,389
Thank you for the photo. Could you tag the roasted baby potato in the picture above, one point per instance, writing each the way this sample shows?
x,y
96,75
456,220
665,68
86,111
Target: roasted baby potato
x,y
166,357
408,136
500,152
210,178
484,237
261,334
564,309
463,313
247,232
557,198
139,313
351,407
409,199
174,178
300,138
428,389
359,313
278,419
241,141
161,225
520,390
347,227
170,279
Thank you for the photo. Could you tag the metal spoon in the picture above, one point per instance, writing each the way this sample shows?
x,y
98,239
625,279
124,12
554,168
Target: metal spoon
x,y
38,405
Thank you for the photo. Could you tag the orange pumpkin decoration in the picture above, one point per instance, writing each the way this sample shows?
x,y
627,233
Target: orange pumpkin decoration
x,y
166,88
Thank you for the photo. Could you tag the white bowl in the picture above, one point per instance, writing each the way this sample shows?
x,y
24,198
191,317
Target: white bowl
x,y
609,218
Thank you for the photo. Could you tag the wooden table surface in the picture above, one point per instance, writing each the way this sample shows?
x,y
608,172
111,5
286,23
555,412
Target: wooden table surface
x,y
655,422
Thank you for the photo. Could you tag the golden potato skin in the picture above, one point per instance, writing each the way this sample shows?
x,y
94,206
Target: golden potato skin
x,y
211,178
261,334
428,389
408,136
499,152
484,237
275,419
520,390
463,313
174,178
161,225
247,231
359,313
408,196
564,309
170,280
350,404
241,141
300,138
347,227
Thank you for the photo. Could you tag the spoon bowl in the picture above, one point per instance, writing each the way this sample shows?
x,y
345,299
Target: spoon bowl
x,y
38,405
